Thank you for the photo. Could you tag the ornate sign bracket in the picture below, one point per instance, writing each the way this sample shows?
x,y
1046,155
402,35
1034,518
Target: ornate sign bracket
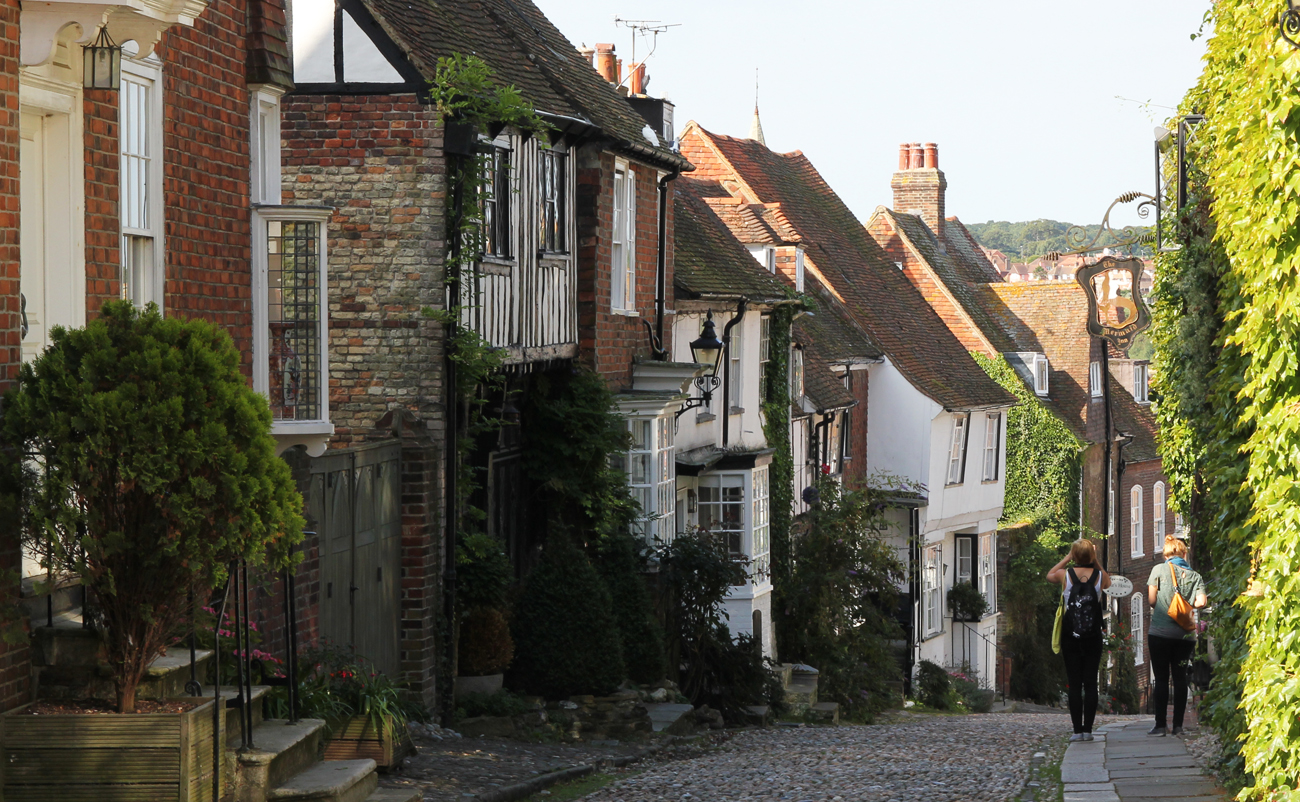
x,y
1077,236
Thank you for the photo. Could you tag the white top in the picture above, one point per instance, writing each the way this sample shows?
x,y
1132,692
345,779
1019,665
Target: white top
x,y
1069,583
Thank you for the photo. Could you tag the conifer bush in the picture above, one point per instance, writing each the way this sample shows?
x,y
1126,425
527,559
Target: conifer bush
x,y
565,633
639,631
138,458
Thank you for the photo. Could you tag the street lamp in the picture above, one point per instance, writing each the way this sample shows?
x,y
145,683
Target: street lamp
x,y
706,350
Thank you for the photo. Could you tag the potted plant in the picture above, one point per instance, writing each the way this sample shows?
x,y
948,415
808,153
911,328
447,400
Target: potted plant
x,y
966,603
484,645
134,455
366,711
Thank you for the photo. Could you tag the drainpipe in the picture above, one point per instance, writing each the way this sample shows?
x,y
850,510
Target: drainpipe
x,y
1109,473
661,270
726,375
823,440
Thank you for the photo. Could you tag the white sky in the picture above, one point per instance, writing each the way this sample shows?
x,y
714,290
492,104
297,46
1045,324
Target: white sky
x,y
1020,95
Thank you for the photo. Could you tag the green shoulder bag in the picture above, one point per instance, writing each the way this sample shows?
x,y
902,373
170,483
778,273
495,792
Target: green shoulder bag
x,y
1056,627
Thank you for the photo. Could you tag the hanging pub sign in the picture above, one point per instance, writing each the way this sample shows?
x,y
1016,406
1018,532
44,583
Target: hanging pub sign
x,y
1116,311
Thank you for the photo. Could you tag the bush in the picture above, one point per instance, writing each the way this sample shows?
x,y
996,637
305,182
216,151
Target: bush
x,y
483,573
933,686
335,683
485,645
973,697
966,603
639,631
566,639
501,703
157,469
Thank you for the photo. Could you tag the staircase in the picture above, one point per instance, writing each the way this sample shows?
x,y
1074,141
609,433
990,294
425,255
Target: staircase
x,y
800,682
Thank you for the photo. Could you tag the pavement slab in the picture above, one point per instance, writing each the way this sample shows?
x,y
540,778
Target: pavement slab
x,y
1139,769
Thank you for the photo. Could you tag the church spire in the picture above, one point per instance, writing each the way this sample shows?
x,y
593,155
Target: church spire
x,y
756,127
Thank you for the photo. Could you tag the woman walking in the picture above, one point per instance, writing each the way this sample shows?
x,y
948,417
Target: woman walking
x,y
1171,642
1081,586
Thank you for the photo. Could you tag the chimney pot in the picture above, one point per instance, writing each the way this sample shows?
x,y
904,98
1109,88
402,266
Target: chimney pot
x,y
904,156
589,53
636,78
918,156
606,62
931,156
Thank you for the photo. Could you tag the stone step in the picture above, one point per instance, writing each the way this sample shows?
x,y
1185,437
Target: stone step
x,y
333,780
230,716
168,674
395,795
671,718
63,595
281,749
801,692
759,715
826,712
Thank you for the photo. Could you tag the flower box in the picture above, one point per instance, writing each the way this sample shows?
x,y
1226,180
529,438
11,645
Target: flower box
x,y
355,738
101,757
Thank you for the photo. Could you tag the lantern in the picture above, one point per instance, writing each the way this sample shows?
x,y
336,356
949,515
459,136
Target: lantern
x,y
103,63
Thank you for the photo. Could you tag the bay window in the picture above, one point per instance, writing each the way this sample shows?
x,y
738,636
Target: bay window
x,y
721,509
965,545
762,519
652,476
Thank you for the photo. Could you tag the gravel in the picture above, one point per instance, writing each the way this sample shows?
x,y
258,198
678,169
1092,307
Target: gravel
x,y
914,758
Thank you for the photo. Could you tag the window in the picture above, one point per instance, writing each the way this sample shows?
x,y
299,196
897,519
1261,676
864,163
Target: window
x,y
1110,506
762,518
624,268
652,476
957,450
1041,372
140,138
496,204
1135,521
764,352
553,176
965,558
931,592
264,146
798,270
846,422
1140,376
988,575
1158,516
992,445
1135,627
1178,524
735,381
1094,379
722,509
796,374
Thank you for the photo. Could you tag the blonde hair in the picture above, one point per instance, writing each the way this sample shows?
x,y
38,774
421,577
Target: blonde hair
x,y
1174,547
1083,552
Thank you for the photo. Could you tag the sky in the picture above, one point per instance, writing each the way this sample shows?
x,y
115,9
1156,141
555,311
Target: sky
x,y
1022,96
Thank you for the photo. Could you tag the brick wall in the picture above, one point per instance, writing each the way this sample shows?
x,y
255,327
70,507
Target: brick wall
x,y
921,192
855,468
1138,569
377,160
608,342
103,225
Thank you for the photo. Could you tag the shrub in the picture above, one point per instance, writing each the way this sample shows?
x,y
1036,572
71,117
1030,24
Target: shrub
x,y
566,639
143,463
966,603
501,703
485,644
483,573
973,697
335,683
639,631
933,686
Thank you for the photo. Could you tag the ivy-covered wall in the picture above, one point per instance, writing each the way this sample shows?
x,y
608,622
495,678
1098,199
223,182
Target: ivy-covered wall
x,y
776,428
1227,335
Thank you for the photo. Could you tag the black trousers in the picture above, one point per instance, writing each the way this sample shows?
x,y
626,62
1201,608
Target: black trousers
x,y
1169,655
1082,659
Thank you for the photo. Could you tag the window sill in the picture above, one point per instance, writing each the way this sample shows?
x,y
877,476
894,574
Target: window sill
x,y
314,434
954,484
494,266
626,312
705,417
990,481
737,411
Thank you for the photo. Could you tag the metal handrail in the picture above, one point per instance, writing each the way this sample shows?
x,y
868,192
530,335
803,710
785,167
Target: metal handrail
x,y
1006,683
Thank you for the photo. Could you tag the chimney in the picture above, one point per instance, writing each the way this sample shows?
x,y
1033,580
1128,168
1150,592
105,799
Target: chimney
x,y
919,185
606,62
589,53
636,79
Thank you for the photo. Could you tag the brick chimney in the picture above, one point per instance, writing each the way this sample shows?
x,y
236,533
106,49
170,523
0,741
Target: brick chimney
x,y
919,185
636,78
607,62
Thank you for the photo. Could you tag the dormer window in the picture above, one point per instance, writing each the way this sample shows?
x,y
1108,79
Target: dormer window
x,y
1041,369
798,270
1141,376
765,255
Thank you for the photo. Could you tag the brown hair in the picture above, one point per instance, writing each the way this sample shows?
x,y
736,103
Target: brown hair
x,y
1175,547
1083,552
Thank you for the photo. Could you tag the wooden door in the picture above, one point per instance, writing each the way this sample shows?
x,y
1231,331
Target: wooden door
x,y
355,498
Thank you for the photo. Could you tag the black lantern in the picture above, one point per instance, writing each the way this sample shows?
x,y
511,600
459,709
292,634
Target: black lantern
x,y
707,350
103,63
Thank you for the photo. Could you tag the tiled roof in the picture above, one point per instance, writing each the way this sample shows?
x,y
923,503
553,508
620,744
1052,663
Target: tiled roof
x,y
968,257
831,329
1135,419
707,260
821,386
269,61
524,50
754,223
879,297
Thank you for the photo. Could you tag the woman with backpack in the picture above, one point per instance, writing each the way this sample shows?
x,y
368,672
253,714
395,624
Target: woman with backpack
x,y
1172,591
1081,587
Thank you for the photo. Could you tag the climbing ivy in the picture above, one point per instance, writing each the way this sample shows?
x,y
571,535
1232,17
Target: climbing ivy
x,y
1230,385
780,481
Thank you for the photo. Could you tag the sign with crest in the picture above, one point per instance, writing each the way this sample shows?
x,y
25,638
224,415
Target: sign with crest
x,y
1116,311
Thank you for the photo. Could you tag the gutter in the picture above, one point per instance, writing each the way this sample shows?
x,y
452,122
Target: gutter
x,y
661,268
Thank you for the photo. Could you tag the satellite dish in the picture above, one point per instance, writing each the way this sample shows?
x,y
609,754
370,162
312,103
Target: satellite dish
x,y
1119,586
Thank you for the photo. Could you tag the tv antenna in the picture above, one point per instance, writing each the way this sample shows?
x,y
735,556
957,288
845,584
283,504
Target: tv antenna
x,y
644,28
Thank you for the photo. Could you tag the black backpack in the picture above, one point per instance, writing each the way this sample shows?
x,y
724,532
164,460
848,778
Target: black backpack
x,y
1083,607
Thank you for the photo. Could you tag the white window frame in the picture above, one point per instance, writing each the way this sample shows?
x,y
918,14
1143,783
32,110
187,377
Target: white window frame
x,y
1141,387
957,449
1136,542
932,590
265,185
737,540
964,558
735,371
1111,523
798,269
142,247
1094,379
1158,513
988,573
1136,616
312,433
796,374
764,353
1042,372
992,446
623,241
761,518
656,488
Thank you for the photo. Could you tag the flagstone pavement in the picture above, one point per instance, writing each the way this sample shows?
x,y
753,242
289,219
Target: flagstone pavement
x,y
1124,764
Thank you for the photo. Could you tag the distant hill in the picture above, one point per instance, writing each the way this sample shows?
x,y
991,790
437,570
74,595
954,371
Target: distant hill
x,y
1027,241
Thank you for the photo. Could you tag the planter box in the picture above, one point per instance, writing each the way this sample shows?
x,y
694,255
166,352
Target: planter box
x,y
107,757
355,739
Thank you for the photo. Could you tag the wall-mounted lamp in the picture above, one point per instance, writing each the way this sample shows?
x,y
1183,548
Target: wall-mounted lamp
x,y
706,350
103,63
